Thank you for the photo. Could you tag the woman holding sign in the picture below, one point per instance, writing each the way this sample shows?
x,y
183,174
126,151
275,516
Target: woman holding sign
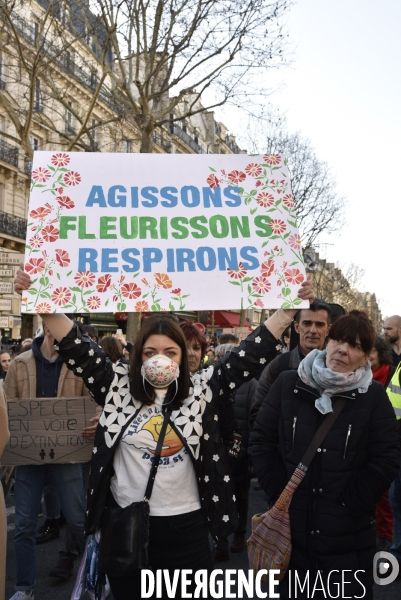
x,y
155,412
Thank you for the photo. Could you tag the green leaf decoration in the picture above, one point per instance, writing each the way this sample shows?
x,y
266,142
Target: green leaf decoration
x,y
185,296
277,202
58,276
297,301
253,192
294,263
171,306
135,275
44,281
248,200
234,282
253,210
123,306
286,305
106,303
249,289
285,236
275,237
88,292
264,244
32,291
241,190
28,247
69,273
292,223
145,295
286,292
45,295
75,289
246,279
74,299
214,170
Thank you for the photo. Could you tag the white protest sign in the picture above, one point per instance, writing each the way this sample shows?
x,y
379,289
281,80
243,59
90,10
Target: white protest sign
x,y
149,232
47,430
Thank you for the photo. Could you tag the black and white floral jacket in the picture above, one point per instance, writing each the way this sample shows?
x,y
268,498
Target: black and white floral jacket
x,y
196,422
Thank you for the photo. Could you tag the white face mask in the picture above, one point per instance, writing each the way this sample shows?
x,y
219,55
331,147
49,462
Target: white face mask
x,y
160,371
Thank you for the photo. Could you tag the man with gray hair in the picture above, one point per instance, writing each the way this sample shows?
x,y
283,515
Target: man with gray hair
x,y
392,331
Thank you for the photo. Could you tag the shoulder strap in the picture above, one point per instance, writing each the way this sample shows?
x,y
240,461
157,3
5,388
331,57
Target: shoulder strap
x,y
156,458
322,432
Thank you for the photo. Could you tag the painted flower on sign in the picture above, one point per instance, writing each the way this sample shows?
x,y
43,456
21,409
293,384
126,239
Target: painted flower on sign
x,y
213,181
236,176
176,292
259,303
253,169
163,281
259,183
103,283
41,212
84,279
93,302
50,233
65,201
264,199
72,178
61,296
62,258
43,308
295,241
272,159
141,306
261,285
288,200
35,265
267,268
130,290
36,242
293,276
41,174
278,226
237,273
60,159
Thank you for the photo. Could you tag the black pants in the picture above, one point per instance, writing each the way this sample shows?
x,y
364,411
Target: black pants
x,y
177,542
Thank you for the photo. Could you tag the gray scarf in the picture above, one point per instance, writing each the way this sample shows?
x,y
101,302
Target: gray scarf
x,y
313,371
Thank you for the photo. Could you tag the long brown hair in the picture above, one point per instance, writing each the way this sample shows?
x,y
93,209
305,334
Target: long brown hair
x,y
112,348
142,390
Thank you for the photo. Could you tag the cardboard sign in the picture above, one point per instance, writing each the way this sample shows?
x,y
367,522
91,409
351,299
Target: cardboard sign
x,y
150,232
47,430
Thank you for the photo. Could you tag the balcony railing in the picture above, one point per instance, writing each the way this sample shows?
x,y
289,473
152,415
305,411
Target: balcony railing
x,y
185,137
86,78
8,153
12,225
161,141
27,166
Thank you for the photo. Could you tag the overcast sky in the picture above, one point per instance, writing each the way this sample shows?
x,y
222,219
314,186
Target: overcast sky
x,y
343,92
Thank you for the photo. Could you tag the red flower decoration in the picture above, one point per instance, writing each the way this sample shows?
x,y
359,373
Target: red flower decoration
x,y
60,159
72,178
84,279
295,241
267,268
163,280
115,298
41,212
253,169
293,276
237,273
176,292
43,308
278,226
35,265
41,174
61,296
261,285
264,199
36,241
103,283
141,306
93,302
258,303
272,159
50,233
212,181
259,183
288,200
62,258
236,176
131,291
65,202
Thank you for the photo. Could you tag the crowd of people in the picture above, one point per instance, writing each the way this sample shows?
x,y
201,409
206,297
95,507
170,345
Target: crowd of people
x,y
203,415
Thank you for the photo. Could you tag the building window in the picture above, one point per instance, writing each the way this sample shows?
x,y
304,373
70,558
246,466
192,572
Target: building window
x,y
36,29
34,143
64,12
2,197
69,120
2,72
37,103
127,146
94,80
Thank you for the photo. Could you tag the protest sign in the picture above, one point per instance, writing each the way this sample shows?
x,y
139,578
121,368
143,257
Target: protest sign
x,y
150,232
47,430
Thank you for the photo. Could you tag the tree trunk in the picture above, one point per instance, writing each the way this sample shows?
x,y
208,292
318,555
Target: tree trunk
x,y
242,317
134,318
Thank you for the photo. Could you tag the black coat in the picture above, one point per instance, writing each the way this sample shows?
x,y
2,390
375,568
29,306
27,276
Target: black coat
x,y
332,510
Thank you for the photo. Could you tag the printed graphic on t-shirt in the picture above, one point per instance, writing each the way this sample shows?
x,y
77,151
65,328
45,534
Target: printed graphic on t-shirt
x,y
143,434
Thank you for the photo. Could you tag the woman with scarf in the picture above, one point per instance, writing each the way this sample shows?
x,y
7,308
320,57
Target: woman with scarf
x,y
192,487
331,513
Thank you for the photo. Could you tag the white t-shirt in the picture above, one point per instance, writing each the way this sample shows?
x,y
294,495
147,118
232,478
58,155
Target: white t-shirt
x,y
175,490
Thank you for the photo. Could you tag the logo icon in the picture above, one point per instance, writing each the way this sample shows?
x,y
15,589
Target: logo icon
x,y
385,568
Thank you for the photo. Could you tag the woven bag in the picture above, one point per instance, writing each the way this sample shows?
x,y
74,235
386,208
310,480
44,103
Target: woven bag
x,y
269,546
